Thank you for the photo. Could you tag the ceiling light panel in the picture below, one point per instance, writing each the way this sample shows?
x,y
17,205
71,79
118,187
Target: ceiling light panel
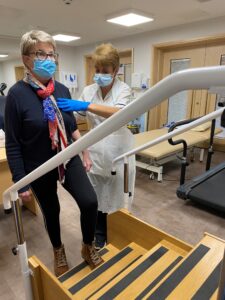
x,y
130,19
65,38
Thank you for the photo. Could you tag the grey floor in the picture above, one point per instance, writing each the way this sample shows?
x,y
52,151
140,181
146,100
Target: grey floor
x,y
154,202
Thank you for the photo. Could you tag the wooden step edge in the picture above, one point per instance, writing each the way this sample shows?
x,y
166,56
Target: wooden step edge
x,y
83,266
215,294
214,237
209,286
168,266
213,242
36,279
173,247
202,280
123,228
46,280
108,270
137,247
139,272
176,276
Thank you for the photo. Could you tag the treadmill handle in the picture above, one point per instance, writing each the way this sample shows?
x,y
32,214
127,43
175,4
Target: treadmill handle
x,y
184,162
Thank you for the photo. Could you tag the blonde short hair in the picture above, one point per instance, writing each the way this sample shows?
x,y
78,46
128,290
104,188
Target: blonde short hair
x,y
106,55
31,38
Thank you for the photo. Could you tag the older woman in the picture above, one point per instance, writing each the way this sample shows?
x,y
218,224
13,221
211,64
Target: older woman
x,y
36,130
101,100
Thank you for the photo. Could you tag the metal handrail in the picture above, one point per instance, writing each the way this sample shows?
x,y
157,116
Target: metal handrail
x,y
199,78
165,137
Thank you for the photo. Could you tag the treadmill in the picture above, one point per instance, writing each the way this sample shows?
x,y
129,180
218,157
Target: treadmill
x,y
209,188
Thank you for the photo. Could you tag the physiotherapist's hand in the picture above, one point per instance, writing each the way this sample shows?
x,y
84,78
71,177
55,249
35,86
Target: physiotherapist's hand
x,y
72,105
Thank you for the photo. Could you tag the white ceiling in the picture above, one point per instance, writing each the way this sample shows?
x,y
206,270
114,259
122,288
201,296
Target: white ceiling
x,y
86,18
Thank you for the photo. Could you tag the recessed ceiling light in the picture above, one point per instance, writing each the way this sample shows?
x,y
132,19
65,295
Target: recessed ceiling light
x,y
130,19
203,0
65,38
4,55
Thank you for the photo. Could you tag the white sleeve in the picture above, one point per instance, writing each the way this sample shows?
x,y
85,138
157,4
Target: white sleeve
x,y
82,97
124,96
81,115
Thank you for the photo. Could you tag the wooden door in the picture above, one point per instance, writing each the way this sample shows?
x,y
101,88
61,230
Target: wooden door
x,y
185,104
215,56
19,72
90,69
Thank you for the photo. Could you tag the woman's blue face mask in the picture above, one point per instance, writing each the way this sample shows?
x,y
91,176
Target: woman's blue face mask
x,y
103,80
44,68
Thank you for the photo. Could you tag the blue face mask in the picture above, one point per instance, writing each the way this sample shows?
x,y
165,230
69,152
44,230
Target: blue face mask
x,y
103,79
44,68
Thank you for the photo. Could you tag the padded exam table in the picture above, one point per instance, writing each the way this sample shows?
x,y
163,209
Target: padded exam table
x,y
159,154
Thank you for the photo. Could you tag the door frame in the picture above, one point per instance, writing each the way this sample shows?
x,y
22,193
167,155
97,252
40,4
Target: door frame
x,y
158,51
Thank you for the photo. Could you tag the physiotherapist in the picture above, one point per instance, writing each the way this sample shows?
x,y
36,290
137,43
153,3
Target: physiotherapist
x,y
99,101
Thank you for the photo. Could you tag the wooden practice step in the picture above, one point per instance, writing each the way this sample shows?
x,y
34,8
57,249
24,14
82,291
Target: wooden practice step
x,y
142,276
78,272
106,272
196,277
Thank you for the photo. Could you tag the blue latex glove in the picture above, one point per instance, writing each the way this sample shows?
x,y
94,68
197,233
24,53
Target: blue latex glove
x,y
72,105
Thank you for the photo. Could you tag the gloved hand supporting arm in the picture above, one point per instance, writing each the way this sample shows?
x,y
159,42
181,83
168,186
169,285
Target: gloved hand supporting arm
x,y
104,111
72,105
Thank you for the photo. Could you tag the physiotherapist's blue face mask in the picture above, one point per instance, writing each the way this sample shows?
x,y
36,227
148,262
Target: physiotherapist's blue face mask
x,y
44,68
103,80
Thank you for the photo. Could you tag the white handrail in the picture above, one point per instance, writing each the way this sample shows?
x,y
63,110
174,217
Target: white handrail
x,y
183,128
199,78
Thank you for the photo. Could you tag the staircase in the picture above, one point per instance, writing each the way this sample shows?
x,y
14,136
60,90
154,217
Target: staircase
x,y
141,262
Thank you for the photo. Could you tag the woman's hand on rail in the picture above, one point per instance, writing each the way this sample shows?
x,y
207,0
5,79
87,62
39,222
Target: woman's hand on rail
x,y
26,196
87,163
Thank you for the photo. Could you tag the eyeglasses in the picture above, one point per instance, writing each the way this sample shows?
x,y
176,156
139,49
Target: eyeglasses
x,y
43,55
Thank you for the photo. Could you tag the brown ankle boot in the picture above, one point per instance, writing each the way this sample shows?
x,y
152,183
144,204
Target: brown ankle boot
x,y
60,262
91,256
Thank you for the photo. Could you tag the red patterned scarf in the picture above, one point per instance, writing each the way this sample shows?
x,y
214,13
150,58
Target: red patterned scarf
x,y
57,132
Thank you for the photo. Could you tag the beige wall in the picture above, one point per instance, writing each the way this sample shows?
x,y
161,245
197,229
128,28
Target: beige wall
x,y
1,73
71,58
142,44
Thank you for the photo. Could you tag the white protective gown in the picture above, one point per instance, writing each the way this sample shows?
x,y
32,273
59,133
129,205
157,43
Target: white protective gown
x,y
109,188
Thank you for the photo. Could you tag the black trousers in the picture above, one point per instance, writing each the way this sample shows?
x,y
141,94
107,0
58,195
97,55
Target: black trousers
x,y
101,229
79,186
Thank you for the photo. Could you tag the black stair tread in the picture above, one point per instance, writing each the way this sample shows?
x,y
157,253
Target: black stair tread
x,y
138,276
200,267
81,270
107,271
